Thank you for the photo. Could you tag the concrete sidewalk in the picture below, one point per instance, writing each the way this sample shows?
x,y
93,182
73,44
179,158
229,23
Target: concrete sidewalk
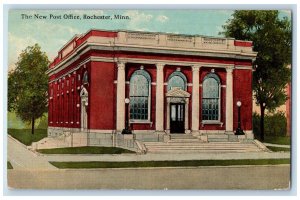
x,y
161,157
277,145
22,158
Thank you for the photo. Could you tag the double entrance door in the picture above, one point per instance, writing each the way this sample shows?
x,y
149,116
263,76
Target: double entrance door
x,y
177,117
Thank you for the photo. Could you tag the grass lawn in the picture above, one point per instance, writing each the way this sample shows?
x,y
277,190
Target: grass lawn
x,y
278,140
25,136
85,150
184,163
9,166
275,149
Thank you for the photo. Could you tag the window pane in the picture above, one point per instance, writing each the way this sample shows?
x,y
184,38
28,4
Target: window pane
x,y
139,86
176,81
173,112
210,100
210,88
139,96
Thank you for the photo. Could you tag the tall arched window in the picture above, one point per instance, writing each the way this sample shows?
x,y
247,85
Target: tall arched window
x,y
139,95
211,98
177,79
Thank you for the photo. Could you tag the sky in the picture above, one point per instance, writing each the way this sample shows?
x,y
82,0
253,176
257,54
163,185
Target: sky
x,y
52,34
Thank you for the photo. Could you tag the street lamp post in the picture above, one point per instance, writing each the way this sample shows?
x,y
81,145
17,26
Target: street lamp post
x,y
127,130
239,130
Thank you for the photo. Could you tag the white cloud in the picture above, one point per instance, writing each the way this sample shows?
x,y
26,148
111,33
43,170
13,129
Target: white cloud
x,y
55,29
138,20
162,18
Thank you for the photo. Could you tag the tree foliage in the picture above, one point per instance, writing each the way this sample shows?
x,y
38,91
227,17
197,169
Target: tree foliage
x,y
28,85
271,38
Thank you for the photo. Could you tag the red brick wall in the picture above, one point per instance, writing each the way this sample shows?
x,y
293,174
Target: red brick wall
x,y
63,109
101,96
242,91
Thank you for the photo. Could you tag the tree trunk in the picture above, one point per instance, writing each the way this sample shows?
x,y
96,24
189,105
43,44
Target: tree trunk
x,y
262,118
32,125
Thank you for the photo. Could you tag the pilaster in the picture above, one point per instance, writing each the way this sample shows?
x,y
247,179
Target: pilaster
x,y
195,99
229,100
159,112
120,123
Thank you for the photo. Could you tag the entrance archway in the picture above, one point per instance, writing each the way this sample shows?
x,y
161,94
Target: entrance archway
x,y
177,111
177,118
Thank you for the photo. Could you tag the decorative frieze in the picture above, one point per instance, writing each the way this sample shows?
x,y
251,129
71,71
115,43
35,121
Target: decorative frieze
x,y
141,36
207,40
179,38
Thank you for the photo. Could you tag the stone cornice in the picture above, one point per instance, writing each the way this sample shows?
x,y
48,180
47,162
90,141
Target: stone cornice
x,y
146,49
147,61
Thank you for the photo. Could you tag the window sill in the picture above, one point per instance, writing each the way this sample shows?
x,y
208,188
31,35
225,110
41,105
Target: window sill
x,y
140,122
210,122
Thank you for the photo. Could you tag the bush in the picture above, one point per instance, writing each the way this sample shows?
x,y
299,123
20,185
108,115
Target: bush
x,y
275,124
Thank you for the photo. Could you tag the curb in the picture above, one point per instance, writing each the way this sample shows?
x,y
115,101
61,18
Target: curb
x,y
277,145
182,167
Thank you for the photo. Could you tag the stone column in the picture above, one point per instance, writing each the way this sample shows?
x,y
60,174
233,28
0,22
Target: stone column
x,y
186,116
159,112
121,97
229,100
195,99
168,116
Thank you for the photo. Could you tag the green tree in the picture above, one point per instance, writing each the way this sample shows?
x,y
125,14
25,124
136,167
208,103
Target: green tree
x,y
271,38
28,85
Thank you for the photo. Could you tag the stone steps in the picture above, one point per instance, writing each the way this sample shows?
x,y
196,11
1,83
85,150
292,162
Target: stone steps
x,y
199,144
184,140
186,147
182,136
217,138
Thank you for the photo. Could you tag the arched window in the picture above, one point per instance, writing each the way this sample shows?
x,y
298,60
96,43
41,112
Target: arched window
x,y
177,79
85,78
139,95
211,98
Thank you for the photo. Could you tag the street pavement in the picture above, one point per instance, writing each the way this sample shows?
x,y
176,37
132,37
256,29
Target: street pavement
x,y
229,177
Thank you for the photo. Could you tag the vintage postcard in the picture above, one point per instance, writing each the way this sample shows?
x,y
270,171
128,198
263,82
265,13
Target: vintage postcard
x,y
149,99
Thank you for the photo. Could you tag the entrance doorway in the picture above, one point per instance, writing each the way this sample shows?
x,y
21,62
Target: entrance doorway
x,y
177,117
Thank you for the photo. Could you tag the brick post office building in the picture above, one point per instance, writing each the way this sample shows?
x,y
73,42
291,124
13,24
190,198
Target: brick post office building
x,y
187,84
